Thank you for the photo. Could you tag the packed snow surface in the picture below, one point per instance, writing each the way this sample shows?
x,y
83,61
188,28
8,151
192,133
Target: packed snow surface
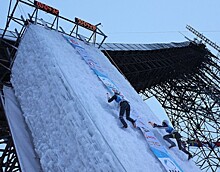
x,y
65,106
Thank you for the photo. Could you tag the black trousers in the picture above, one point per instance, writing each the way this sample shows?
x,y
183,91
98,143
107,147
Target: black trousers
x,y
125,107
177,136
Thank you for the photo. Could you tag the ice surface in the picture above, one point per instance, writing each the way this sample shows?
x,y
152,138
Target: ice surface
x,y
65,106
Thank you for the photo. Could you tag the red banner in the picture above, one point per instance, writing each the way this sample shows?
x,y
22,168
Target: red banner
x,y
46,8
85,24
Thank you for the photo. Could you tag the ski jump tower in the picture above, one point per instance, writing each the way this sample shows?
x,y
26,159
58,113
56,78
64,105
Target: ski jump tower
x,y
184,77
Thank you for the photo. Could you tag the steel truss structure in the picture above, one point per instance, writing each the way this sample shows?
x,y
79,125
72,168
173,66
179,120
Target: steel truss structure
x,y
8,157
185,80
10,39
8,160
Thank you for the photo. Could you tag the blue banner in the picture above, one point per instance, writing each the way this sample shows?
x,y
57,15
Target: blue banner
x,y
159,151
92,64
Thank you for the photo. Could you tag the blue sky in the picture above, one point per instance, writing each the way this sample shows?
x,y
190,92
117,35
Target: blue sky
x,y
142,21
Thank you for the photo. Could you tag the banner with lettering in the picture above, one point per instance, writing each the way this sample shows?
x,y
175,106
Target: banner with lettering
x,y
92,64
159,150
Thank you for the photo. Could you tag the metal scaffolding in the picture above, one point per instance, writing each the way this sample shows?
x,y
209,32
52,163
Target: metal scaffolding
x,y
185,80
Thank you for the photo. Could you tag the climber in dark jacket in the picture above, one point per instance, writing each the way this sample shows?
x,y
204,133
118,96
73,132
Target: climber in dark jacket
x,y
172,133
124,107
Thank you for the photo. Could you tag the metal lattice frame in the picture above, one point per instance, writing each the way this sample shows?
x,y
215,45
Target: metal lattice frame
x,y
195,114
8,156
193,105
185,80
8,159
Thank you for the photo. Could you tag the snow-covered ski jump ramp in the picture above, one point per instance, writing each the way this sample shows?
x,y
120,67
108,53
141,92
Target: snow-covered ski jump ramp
x,y
65,107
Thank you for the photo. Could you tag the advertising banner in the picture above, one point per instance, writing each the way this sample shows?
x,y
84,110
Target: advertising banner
x,y
159,150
